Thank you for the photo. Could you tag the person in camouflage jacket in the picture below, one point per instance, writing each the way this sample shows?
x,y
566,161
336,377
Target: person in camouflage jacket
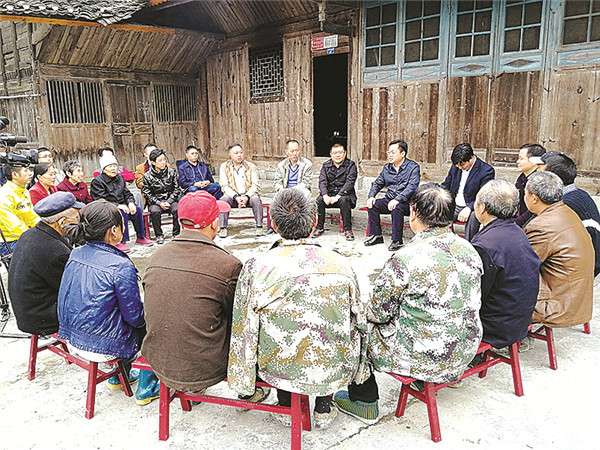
x,y
297,314
424,313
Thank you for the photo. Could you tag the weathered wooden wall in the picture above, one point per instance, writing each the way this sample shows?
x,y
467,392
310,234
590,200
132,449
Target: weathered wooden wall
x,y
262,128
16,75
81,141
495,114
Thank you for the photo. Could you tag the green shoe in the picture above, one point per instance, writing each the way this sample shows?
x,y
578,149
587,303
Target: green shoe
x,y
365,412
148,388
114,383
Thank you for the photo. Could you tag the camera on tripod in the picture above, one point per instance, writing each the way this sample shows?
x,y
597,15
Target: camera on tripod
x,y
15,158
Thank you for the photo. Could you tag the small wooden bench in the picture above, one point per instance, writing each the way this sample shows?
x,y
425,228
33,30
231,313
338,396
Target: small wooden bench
x,y
266,206
427,394
299,410
547,335
95,375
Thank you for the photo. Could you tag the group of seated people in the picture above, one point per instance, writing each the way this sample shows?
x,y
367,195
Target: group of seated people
x,y
294,316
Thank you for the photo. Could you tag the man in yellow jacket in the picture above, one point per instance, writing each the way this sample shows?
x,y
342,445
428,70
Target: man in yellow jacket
x,y
16,210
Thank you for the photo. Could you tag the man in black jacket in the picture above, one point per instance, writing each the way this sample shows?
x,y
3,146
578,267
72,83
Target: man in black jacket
x,y
110,186
336,186
160,186
38,264
510,282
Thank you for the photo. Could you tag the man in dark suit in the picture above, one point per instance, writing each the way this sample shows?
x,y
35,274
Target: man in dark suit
x,y
467,175
336,186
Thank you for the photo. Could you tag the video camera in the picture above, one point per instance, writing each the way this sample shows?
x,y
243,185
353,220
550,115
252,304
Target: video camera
x,y
15,158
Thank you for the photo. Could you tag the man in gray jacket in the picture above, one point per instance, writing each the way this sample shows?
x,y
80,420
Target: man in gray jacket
x,y
293,171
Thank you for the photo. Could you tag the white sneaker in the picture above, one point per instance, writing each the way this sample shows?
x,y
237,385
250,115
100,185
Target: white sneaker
x,y
223,233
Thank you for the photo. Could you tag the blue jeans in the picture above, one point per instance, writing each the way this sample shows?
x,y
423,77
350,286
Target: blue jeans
x,y
11,247
213,189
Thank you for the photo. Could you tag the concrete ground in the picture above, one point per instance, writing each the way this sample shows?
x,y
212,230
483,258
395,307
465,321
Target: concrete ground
x,y
558,409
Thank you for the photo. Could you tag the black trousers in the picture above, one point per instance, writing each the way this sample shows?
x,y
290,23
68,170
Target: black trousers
x,y
471,226
345,205
284,398
155,213
367,392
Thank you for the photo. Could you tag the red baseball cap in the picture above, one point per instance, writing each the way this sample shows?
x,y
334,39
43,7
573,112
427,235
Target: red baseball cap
x,y
201,208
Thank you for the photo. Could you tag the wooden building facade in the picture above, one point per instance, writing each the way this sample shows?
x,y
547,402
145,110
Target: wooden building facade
x,y
497,74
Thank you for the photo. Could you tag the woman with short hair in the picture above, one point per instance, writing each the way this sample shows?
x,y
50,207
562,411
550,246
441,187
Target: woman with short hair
x,y
73,182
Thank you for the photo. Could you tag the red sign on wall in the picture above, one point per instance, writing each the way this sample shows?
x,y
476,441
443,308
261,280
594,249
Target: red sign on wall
x,y
317,44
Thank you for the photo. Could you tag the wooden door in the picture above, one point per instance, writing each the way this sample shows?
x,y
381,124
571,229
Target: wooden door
x,y
132,125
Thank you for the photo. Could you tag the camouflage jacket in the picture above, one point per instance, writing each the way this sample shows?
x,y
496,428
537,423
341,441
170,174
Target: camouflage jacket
x,y
298,316
425,308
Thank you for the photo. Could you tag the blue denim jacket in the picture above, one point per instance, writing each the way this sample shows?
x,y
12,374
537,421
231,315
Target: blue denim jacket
x,y
99,304
401,184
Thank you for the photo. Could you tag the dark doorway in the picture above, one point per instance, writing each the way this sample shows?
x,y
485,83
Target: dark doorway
x,y
330,91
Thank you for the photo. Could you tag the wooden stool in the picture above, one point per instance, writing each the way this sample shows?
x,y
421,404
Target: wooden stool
x,y
427,394
298,411
95,375
546,334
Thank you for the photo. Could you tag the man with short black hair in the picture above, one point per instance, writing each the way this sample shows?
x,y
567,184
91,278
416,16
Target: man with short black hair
x,y
298,321
561,241
144,167
241,187
38,264
510,282
528,162
401,177
194,175
466,176
336,187
16,209
424,311
577,199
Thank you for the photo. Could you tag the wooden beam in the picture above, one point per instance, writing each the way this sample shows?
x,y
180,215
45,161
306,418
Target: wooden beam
x,y
2,64
124,27
16,56
169,4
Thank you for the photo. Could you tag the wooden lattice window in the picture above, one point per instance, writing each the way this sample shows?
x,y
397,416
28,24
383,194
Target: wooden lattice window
x,y
422,31
75,102
582,22
523,24
175,103
473,28
381,35
266,74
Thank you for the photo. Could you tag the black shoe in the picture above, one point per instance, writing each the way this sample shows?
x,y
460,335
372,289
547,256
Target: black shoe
x,y
395,245
374,240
